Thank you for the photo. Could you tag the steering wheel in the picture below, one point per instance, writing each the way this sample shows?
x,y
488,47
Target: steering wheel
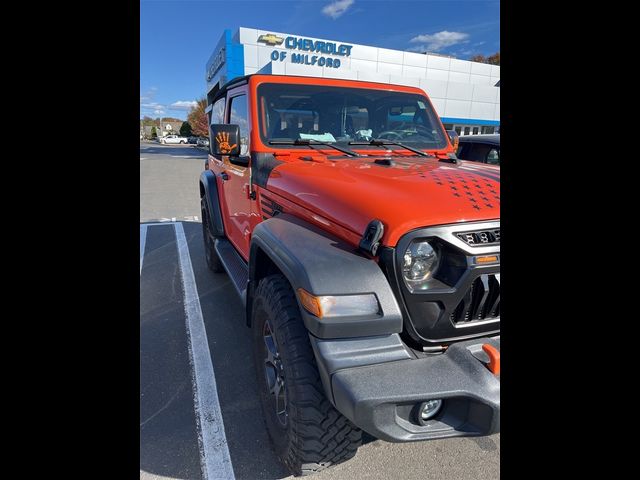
x,y
420,130
424,132
394,135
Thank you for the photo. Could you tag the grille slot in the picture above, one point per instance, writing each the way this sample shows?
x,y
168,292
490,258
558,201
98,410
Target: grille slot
x,y
480,302
481,237
269,207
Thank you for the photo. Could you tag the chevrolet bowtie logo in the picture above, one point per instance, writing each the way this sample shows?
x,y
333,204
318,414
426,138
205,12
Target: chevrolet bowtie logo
x,y
271,39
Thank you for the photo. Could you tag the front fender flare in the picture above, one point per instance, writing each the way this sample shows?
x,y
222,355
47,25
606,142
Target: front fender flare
x,y
209,190
322,264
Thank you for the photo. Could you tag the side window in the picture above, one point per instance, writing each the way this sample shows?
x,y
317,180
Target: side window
x,y
239,115
217,112
463,150
479,152
217,116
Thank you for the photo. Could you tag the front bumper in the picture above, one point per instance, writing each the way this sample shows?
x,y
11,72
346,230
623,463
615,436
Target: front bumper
x,y
378,384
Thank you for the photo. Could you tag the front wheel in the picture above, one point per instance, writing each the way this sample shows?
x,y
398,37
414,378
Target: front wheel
x,y
307,432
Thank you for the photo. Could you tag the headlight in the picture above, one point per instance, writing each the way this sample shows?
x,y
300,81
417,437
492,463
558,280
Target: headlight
x,y
420,263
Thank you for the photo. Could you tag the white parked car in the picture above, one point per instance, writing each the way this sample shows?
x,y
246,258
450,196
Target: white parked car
x,y
173,139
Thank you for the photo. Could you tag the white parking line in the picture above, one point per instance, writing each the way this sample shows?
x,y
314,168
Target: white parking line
x,y
143,242
214,451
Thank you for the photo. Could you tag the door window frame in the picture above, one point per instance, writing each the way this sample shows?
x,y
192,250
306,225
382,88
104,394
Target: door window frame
x,y
243,161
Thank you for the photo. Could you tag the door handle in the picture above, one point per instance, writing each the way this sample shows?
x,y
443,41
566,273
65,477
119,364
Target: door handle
x,y
224,176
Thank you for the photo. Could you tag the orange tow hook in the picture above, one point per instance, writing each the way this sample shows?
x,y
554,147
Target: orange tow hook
x,y
494,358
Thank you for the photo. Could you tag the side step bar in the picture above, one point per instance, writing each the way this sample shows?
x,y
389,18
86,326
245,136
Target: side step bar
x,y
235,266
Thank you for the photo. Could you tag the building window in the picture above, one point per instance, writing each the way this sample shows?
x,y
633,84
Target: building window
x,y
475,130
488,130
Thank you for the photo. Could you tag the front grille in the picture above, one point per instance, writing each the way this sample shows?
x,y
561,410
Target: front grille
x,y
481,237
481,301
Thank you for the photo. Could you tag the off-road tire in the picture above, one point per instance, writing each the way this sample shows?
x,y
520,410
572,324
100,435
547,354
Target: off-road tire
x,y
315,435
213,261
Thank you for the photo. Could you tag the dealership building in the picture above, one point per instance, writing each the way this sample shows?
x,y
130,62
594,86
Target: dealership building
x,y
466,95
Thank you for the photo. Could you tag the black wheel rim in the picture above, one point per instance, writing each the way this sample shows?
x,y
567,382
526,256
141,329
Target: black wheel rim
x,y
274,375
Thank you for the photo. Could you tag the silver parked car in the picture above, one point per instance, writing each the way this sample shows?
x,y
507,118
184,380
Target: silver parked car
x,y
173,139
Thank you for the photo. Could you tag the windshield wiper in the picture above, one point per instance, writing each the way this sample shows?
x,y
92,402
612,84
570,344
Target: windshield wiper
x,y
378,143
309,142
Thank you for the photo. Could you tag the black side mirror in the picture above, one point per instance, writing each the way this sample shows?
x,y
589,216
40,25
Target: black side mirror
x,y
454,138
225,139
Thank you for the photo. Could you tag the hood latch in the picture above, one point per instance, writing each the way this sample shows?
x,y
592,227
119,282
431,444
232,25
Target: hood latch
x,y
371,239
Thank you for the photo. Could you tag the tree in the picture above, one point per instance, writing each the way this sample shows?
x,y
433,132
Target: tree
x,y
198,119
148,121
154,133
491,59
170,119
185,129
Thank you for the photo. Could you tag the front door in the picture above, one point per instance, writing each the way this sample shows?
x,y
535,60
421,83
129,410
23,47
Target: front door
x,y
235,177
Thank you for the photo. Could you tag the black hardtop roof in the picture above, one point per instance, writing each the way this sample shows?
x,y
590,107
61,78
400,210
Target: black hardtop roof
x,y
245,78
493,138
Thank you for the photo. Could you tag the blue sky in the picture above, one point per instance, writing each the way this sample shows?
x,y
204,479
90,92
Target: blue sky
x,y
178,36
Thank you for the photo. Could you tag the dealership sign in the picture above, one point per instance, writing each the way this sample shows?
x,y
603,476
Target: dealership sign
x,y
216,63
307,45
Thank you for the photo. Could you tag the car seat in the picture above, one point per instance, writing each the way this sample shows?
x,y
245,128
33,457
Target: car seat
x,y
290,131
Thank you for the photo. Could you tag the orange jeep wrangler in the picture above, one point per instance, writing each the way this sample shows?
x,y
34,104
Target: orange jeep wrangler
x,y
368,258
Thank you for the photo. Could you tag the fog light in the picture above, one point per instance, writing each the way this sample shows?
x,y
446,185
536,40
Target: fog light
x,y
428,410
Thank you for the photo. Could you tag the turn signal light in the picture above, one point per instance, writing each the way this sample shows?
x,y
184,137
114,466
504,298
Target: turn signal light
x,y
487,259
310,302
338,305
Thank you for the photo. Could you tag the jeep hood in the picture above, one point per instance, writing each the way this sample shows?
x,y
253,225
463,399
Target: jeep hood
x,y
413,192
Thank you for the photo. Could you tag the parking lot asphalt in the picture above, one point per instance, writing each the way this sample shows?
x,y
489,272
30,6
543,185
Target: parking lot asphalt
x,y
169,182
171,419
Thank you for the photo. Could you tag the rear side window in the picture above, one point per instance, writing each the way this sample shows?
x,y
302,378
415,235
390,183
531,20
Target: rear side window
x,y
217,112
493,157
217,115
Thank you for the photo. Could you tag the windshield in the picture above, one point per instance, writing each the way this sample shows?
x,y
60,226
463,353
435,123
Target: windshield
x,y
342,115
